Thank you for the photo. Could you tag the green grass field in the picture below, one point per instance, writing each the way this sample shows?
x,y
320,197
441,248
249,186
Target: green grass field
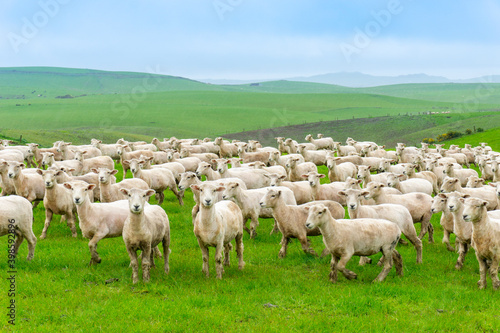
x,y
57,291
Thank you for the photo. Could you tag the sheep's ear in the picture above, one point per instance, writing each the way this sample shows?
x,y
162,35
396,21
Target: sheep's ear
x,y
91,187
124,191
227,162
359,181
365,193
149,158
442,195
220,188
267,176
306,208
195,187
68,186
214,161
369,167
382,185
94,170
305,176
493,184
455,180
127,162
84,152
484,203
236,184
71,169
114,172
342,193
279,193
150,192
465,196
22,165
400,176
58,172
39,171
321,176
282,177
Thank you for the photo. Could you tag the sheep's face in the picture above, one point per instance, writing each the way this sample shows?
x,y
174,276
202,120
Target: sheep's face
x,y
392,180
187,179
363,171
274,179
455,201
49,178
208,194
384,165
105,175
47,159
135,165
14,168
137,199
222,165
352,183
373,190
202,169
231,190
313,178
81,191
474,209
270,198
449,185
474,182
317,216
439,203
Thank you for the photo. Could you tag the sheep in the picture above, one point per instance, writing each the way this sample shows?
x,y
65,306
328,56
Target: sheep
x,y
97,220
24,150
248,201
365,175
226,150
157,179
314,156
409,171
386,166
16,219
161,145
276,159
451,184
343,150
495,170
90,178
48,160
11,155
463,230
94,162
143,146
354,158
418,204
57,200
339,173
145,227
484,167
461,158
439,204
37,152
176,168
461,174
320,143
363,237
110,150
295,169
189,163
324,191
281,145
204,157
262,156
253,178
292,145
302,191
217,224
410,185
474,182
6,183
485,239
291,219
271,169
395,213
405,155
109,191
27,185
128,155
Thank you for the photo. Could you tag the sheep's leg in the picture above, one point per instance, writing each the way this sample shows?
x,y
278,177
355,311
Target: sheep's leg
x,y
387,264
166,253
35,202
219,268
398,262
411,235
284,246
146,261
446,240
239,250
160,196
152,258
173,188
95,259
275,227
31,239
227,249
48,219
463,248
72,224
350,275
306,246
482,272
325,252
157,253
494,274
17,243
132,253
254,223
364,260
333,269
204,254
402,241
195,211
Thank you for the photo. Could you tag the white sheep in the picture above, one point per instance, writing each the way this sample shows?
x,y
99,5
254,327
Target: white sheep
x,y
451,184
463,230
27,185
440,204
325,191
295,169
217,224
461,174
16,218
485,240
409,171
253,178
145,227
93,162
189,163
125,155
302,191
226,149
365,175
109,191
320,143
317,157
410,185
362,237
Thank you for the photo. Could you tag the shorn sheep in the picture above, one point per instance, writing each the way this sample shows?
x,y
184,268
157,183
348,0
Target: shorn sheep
x,y
485,239
217,224
145,228
361,237
16,219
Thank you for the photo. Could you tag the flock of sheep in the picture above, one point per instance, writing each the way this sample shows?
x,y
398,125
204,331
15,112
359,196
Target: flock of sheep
x,y
263,182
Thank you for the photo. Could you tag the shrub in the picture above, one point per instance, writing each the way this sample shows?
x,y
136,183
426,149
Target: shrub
x,y
429,140
468,131
480,129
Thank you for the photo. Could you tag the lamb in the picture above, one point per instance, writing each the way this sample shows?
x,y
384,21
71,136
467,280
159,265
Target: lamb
x,y
248,201
439,204
296,169
302,191
157,179
339,173
409,186
27,185
226,150
395,213
463,230
314,156
291,219
109,191
405,155
94,162
57,200
461,174
16,218
320,143
292,145
418,204
253,178
365,175
145,227
363,237
451,184
97,220
217,224
485,239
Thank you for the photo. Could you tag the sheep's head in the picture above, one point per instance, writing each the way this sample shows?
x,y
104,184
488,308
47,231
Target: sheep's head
x,y
317,216
137,198
474,209
81,191
270,199
208,193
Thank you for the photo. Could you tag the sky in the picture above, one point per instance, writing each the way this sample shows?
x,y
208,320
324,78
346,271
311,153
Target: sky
x,y
255,39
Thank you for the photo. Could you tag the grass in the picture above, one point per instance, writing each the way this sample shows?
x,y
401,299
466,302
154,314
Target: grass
x,y
57,291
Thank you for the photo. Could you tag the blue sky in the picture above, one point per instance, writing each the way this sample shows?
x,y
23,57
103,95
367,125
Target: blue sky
x,y
255,39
